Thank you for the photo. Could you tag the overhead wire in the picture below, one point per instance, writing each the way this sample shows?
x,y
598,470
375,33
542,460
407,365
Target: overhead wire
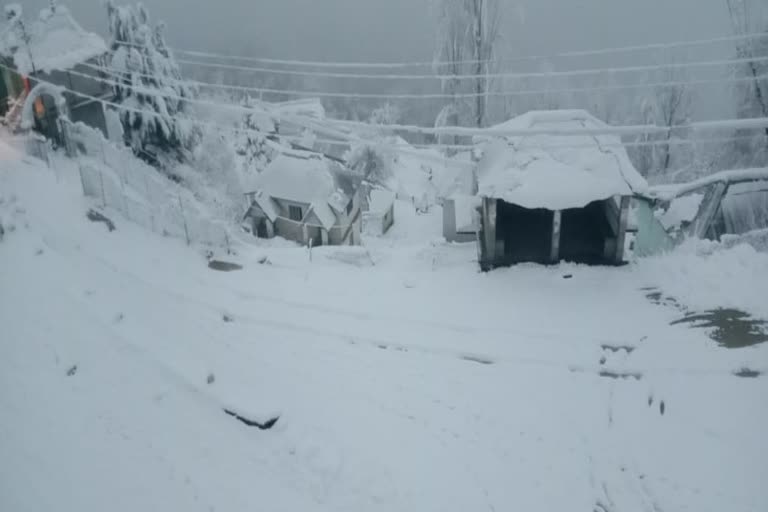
x,y
327,125
445,96
401,65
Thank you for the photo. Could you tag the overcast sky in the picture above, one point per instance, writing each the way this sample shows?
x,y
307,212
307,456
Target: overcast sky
x,y
397,30
402,29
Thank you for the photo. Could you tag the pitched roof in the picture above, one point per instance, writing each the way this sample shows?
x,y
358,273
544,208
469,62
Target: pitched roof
x,y
306,177
556,171
57,41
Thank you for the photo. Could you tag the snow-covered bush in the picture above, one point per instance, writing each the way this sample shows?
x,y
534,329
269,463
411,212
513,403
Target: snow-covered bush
x,y
151,85
251,140
373,164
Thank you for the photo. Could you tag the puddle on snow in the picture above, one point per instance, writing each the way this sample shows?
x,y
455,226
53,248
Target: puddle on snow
x,y
224,266
730,328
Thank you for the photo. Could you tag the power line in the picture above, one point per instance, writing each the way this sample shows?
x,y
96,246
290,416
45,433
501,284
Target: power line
x,y
350,139
400,65
450,131
540,74
441,96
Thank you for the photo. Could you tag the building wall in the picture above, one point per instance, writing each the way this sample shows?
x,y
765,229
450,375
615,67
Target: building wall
x,y
449,225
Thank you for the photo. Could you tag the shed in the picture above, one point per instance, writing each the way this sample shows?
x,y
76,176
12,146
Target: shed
x,y
556,194
305,197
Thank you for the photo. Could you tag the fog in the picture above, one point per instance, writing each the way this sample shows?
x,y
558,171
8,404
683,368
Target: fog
x,y
398,30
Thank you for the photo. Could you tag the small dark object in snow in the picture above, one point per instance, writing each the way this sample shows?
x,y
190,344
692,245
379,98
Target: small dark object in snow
x,y
662,407
2,231
620,375
224,266
476,359
568,276
264,261
746,373
602,360
650,400
95,216
261,426
119,318
211,378
228,319
38,252
72,371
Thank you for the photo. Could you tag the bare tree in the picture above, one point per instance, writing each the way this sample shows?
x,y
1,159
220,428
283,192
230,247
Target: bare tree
x,y
668,106
484,15
751,92
468,33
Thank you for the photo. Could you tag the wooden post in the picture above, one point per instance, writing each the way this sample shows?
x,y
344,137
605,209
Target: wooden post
x,y
489,230
710,205
622,234
554,254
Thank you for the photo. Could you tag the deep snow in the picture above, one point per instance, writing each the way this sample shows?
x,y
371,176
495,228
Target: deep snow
x,y
404,379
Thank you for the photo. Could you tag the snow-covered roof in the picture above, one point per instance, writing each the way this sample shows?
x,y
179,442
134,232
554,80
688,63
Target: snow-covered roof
x,y
57,41
309,107
305,177
267,205
556,171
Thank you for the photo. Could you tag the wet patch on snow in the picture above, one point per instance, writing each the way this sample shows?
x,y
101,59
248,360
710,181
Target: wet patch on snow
x,y
616,348
616,375
746,373
95,216
730,328
224,266
477,359
252,423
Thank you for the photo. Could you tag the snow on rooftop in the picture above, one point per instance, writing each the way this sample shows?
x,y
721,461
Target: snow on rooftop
x,y
556,171
57,41
303,177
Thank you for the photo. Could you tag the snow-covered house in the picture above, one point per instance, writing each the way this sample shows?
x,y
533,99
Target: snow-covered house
x,y
55,49
554,194
305,197
378,211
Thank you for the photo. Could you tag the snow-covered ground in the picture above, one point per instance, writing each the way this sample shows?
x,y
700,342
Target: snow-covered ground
x,y
403,378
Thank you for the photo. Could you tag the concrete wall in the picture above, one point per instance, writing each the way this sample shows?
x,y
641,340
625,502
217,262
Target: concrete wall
x,y
449,225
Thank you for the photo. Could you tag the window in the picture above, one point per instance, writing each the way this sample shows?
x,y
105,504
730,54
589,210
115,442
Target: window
x,y
295,213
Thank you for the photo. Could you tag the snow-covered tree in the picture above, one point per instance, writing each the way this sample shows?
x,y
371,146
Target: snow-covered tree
x,y
151,85
467,36
251,141
386,114
751,92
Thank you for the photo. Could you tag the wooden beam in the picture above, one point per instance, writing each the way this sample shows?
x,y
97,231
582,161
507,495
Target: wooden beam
x,y
710,205
622,234
554,254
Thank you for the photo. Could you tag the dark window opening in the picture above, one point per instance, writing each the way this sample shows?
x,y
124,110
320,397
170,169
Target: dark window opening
x,y
527,234
584,233
295,213
349,207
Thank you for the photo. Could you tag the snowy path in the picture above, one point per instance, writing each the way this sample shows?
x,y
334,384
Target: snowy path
x,y
417,384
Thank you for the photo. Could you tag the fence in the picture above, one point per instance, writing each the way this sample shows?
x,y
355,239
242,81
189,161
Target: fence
x,y
120,181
